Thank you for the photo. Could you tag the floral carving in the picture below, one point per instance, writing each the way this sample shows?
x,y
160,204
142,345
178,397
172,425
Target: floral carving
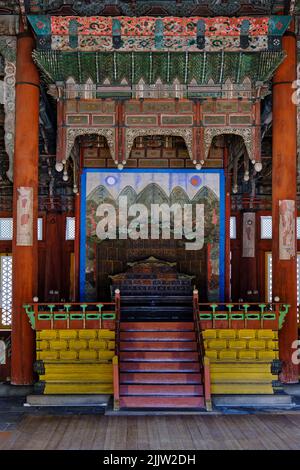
x,y
246,133
75,132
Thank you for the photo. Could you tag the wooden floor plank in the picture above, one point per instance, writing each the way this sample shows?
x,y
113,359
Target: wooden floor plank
x,y
154,432
267,434
285,430
120,437
152,423
193,426
142,430
100,434
62,428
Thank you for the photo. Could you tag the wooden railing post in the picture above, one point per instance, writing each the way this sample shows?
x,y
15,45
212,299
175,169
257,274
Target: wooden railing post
x,y
116,384
207,384
116,381
195,301
118,303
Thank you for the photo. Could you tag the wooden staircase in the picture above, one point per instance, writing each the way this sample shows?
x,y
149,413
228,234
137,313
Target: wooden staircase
x,y
159,366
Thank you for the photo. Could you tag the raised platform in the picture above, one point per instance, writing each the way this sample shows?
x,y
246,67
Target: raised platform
x,y
280,401
67,400
8,390
258,402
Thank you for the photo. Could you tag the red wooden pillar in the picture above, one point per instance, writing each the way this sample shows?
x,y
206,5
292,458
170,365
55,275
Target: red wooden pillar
x,y
77,243
227,224
25,253
284,188
53,261
248,262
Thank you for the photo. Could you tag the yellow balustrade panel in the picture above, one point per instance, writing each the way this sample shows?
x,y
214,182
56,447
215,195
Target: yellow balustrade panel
x,y
227,334
87,334
56,345
247,354
211,354
88,354
240,360
65,341
267,334
68,355
78,344
228,376
76,388
227,354
76,361
47,355
106,334
46,334
257,344
209,334
247,334
215,344
242,389
75,373
97,344
67,334
267,355
106,355
239,367
237,344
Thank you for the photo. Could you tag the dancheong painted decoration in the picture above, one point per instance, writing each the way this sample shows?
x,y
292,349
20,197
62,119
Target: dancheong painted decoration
x,y
149,209
164,34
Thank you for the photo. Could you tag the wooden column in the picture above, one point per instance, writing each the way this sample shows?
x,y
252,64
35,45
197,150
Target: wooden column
x,y
54,257
284,175
77,243
248,264
25,176
227,224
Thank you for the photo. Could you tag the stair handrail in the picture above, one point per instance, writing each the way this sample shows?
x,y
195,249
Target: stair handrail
x,y
115,361
203,359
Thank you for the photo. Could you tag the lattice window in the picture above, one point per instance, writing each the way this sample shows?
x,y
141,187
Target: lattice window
x,y
2,352
70,228
266,227
6,228
40,228
5,289
269,277
233,228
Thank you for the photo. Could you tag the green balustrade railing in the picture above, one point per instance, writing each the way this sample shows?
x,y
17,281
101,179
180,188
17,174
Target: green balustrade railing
x,y
43,313
246,312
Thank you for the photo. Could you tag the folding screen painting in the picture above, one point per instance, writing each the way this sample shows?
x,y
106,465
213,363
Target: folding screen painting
x,y
131,215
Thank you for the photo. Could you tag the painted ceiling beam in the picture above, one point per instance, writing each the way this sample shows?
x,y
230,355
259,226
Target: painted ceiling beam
x,y
148,34
149,7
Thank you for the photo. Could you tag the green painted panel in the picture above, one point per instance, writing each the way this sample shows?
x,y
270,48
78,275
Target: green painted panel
x,y
203,67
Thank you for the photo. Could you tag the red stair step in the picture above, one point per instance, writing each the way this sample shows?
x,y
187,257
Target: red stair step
x,y
159,378
157,336
159,367
161,390
162,402
177,356
158,346
157,326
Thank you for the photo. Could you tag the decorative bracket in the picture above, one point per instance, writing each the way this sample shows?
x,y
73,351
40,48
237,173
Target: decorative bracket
x,y
186,134
72,133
